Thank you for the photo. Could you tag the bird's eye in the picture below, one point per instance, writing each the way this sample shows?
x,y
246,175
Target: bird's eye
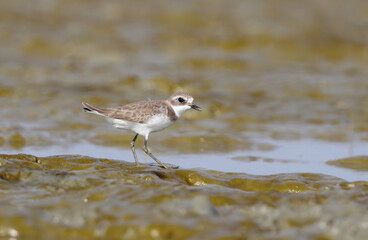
x,y
181,100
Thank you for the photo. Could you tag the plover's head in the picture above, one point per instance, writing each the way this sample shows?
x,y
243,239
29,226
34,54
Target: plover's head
x,y
182,102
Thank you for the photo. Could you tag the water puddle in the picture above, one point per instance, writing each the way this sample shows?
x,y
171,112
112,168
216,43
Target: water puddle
x,y
301,156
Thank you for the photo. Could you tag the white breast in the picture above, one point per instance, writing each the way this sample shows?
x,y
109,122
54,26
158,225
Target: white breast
x,y
158,122
154,124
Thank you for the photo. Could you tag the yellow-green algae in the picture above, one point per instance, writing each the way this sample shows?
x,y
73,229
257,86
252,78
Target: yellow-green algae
x,y
79,197
258,68
249,76
359,163
17,141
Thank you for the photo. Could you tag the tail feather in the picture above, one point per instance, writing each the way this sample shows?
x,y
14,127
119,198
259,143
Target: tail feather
x,y
96,110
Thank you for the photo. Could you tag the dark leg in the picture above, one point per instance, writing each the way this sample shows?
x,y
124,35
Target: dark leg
x,y
148,152
133,149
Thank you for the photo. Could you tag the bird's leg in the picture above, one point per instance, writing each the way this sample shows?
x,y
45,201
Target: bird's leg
x,y
133,149
148,152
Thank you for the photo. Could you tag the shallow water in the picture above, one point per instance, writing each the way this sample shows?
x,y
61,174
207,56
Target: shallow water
x,y
283,85
286,157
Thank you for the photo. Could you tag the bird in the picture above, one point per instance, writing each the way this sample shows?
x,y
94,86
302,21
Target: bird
x,y
145,117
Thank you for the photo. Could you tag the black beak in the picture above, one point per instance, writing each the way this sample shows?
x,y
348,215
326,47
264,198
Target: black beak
x,y
195,107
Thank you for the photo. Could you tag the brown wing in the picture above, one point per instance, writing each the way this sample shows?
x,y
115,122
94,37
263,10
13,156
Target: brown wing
x,y
139,111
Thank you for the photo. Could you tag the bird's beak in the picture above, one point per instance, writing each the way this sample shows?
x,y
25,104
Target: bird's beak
x,y
195,107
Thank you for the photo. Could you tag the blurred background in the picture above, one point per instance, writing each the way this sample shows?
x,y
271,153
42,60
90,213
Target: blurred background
x,y
283,83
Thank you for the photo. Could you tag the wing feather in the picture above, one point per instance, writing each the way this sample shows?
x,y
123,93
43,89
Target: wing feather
x,y
139,111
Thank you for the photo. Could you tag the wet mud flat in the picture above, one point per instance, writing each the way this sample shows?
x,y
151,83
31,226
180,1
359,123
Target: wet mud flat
x,y
79,197
261,70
